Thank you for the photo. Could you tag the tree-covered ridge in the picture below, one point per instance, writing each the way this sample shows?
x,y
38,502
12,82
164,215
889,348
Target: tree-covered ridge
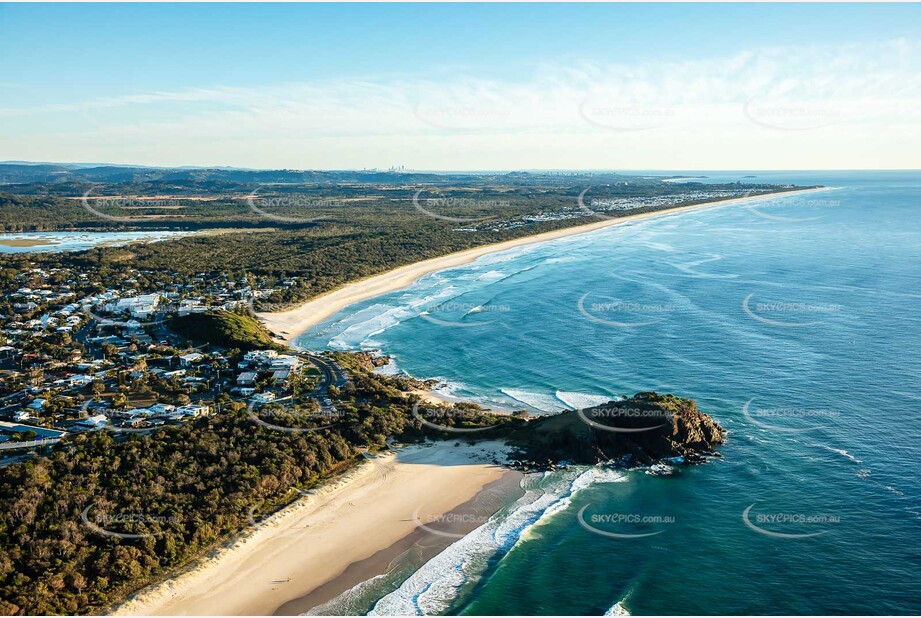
x,y
225,329
187,487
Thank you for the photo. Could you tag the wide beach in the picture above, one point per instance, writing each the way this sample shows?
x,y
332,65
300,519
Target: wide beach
x,y
302,555
287,325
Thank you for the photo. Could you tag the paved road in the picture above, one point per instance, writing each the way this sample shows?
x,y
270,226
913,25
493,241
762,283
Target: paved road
x,y
330,375
8,446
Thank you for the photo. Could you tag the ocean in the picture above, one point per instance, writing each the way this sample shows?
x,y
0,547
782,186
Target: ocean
x,y
794,322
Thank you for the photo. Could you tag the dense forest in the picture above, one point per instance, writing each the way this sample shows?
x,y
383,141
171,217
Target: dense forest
x,y
225,329
328,235
181,490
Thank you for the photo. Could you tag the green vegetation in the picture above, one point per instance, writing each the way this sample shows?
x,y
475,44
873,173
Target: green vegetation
x,y
336,227
188,487
226,329
647,427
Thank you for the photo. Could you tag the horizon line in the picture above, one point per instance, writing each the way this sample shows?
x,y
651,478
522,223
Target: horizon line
x,y
449,171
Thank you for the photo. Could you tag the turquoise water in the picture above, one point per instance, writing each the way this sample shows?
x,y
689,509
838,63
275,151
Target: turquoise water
x,y
794,322
77,241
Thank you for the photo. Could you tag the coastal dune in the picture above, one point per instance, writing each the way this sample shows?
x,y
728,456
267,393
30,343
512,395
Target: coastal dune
x,y
313,542
288,325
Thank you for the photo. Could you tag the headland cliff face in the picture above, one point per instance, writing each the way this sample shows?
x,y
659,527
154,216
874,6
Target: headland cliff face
x,y
645,428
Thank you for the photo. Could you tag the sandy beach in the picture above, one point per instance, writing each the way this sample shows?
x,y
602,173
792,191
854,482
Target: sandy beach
x,y
287,325
311,544
353,528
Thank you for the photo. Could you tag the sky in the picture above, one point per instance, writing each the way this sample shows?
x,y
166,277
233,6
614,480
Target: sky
x,y
463,86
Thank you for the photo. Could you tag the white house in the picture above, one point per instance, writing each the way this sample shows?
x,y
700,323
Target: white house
x,y
139,306
190,359
260,356
263,397
194,410
285,362
161,409
93,422
79,380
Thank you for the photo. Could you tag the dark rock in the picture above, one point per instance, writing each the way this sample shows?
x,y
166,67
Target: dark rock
x,y
644,429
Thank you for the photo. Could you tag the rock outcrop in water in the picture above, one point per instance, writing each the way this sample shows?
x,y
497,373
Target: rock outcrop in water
x,y
645,428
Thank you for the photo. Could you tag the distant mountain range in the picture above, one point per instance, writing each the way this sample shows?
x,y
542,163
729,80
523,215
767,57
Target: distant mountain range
x,y
26,172
15,172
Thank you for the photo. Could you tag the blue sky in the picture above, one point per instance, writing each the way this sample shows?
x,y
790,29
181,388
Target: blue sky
x,y
455,86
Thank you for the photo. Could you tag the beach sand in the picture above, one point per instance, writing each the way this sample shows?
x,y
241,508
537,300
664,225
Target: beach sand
x,y
287,325
324,544
354,528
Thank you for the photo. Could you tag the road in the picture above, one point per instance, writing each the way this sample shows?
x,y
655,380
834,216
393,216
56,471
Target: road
x,y
8,446
330,375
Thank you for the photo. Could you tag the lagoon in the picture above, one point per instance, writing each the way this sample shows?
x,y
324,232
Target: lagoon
x,y
54,242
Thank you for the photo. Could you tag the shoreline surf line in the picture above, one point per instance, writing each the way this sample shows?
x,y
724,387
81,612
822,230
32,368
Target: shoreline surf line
x,y
314,540
288,325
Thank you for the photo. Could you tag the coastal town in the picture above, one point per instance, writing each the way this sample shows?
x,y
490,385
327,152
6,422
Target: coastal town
x,y
78,354
605,207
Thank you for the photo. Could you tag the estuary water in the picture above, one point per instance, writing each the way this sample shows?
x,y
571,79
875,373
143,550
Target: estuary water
x,y
795,322
31,242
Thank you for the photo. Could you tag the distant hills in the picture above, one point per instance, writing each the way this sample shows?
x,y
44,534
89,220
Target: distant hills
x,y
25,172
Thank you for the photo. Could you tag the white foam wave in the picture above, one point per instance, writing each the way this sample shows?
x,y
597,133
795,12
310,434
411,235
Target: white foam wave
x,y
839,451
344,604
579,401
617,610
390,369
434,587
586,479
536,401
620,608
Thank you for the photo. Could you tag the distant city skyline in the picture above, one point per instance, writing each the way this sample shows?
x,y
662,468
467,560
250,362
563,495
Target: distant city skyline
x,y
464,87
